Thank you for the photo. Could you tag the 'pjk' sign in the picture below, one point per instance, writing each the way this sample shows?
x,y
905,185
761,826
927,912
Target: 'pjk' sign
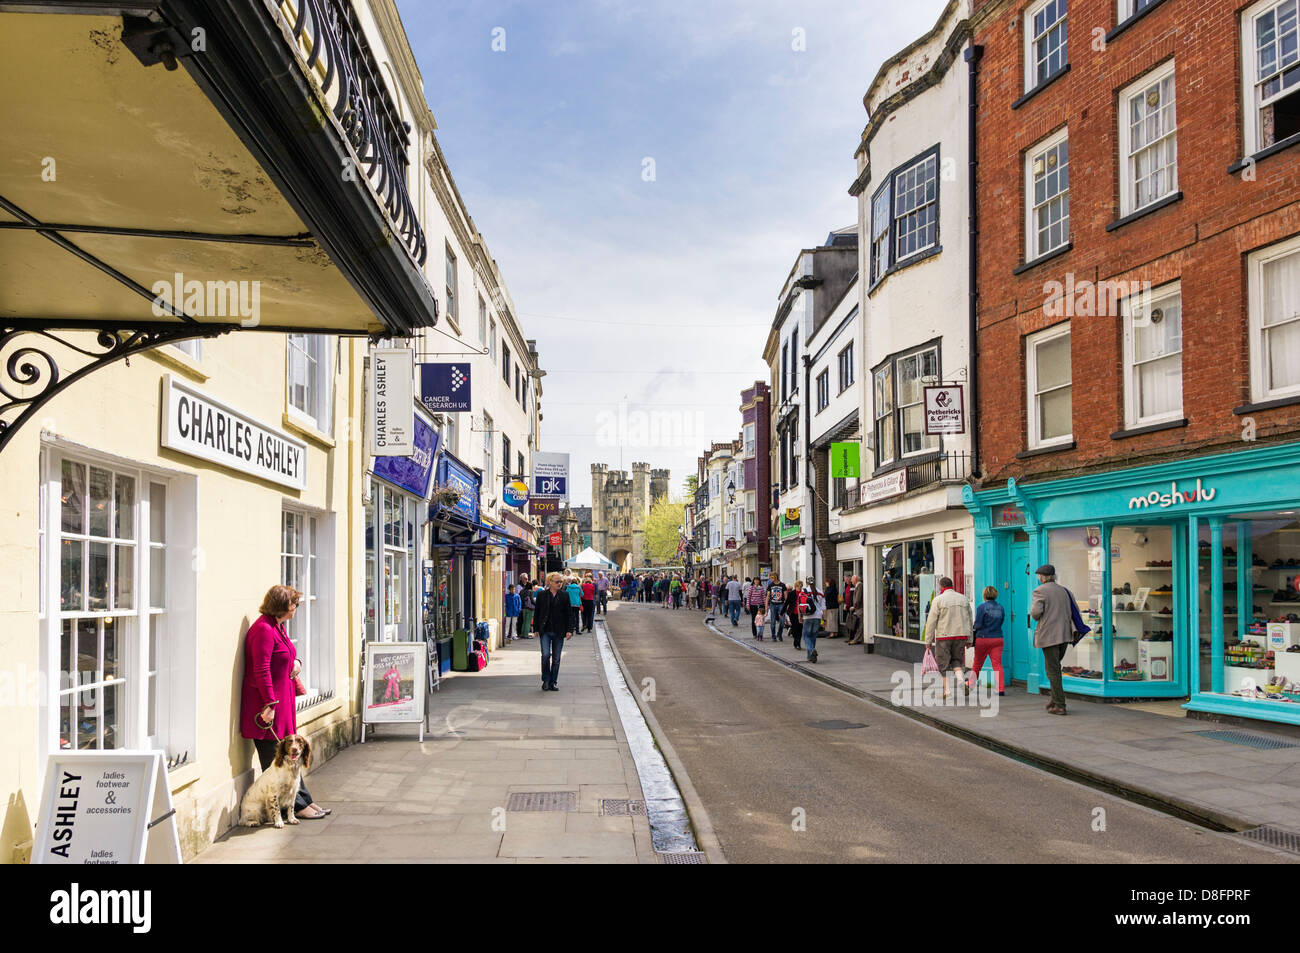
x,y
846,460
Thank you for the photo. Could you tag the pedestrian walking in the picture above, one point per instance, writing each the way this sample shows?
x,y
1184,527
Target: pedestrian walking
x,y
513,606
853,606
693,593
793,598
554,626
811,610
948,628
755,600
574,590
675,588
1054,609
831,617
602,593
988,636
588,603
733,600
776,593
527,602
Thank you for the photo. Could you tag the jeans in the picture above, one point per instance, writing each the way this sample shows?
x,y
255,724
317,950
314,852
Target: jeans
x,y
588,614
552,646
602,600
575,616
733,607
810,629
265,755
1052,655
775,624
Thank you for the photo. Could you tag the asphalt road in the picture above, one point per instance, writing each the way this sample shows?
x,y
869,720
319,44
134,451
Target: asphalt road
x,y
893,791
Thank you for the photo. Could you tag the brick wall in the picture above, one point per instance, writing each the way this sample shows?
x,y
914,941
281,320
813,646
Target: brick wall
x,y
1202,239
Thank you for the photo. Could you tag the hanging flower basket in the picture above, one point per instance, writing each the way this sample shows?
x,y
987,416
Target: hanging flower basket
x,y
446,496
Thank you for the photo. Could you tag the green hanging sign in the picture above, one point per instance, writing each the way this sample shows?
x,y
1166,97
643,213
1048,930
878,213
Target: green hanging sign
x,y
846,460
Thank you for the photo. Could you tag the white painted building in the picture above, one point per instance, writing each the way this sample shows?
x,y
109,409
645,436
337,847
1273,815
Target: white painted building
x,y
914,223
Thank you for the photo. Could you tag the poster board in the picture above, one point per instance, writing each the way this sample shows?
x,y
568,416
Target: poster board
x,y
106,807
394,684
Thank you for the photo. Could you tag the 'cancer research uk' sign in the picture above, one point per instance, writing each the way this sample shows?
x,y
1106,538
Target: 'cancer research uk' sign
x,y
551,475
196,424
392,411
444,388
945,410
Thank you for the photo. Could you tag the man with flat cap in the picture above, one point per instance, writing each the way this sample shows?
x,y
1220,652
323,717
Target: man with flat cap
x,y
1053,608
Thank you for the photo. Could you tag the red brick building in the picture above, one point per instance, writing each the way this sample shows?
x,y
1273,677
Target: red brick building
x,y
1138,273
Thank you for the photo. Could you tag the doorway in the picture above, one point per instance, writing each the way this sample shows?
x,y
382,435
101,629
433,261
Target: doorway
x,y
1016,589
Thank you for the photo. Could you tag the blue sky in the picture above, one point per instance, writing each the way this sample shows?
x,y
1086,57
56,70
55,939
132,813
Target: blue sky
x,y
625,282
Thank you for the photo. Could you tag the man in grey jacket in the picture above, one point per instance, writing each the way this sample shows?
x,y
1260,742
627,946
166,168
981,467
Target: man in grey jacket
x,y
1052,608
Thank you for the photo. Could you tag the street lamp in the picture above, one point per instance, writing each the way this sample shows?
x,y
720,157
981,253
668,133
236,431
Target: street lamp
x,y
731,491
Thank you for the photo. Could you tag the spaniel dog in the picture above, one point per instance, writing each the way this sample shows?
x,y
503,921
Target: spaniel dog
x,y
276,788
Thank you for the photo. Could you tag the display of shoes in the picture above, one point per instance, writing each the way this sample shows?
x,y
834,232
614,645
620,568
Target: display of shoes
x,y
1130,608
1127,590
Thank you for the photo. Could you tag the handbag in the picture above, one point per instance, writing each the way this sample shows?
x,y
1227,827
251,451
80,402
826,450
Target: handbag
x,y
299,687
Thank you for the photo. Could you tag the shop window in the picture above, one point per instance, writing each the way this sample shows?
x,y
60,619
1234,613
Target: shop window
x,y
305,565
1148,140
1045,38
1153,357
1270,47
1047,198
906,586
123,656
1049,378
1274,304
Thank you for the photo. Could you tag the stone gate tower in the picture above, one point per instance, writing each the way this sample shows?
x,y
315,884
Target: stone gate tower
x,y
620,504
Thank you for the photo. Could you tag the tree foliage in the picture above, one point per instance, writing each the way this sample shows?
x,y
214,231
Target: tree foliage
x,y
663,531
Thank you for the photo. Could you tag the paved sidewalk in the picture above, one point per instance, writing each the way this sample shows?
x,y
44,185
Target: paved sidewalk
x,y
1150,753
490,734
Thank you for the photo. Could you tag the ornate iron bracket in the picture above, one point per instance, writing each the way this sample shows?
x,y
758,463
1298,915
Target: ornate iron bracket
x,y
38,362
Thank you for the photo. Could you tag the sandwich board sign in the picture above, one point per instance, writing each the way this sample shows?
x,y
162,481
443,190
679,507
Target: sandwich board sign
x,y
394,685
106,807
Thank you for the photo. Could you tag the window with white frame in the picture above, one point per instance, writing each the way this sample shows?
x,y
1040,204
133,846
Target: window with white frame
x,y
1270,40
1045,36
750,431
309,379
1050,386
1131,8
900,404
1274,302
505,364
482,321
909,224
846,367
823,389
880,218
751,513
1153,356
1047,196
794,361
301,565
452,302
1148,140
121,656
489,476
492,339
192,347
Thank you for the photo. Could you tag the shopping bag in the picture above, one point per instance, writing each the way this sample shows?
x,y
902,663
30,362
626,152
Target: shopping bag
x,y
969,657
929,664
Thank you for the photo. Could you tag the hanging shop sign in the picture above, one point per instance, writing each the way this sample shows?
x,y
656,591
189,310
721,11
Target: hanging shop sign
x,y
199,426
541,506
444,388
792,516
846,460
945,410
731,542
551,475
882,488
455,475
515,494
412,473
555,539
392,410
106,807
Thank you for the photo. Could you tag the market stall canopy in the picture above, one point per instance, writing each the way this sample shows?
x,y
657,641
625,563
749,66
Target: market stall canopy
x,y
589,559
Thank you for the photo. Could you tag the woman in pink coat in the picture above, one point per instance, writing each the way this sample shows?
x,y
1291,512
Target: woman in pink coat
x,y
268,700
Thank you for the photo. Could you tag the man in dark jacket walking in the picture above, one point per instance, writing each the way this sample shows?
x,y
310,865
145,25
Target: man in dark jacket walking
x,y
554,621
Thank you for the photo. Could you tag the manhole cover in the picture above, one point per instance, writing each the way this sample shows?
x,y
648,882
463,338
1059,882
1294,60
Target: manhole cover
x,y
525,801
836,724
682,857
621,807
1274,837
1263,742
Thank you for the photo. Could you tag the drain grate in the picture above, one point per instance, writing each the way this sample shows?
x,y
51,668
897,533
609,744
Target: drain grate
x,y
621,807
682,857
1263,742
525,801
835,724
1274,837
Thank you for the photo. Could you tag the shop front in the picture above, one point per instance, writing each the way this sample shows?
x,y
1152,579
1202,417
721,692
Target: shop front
x,y
455,546
1186,572
395,522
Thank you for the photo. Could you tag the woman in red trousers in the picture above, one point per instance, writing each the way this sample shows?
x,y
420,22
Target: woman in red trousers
x,y
268,700
988,636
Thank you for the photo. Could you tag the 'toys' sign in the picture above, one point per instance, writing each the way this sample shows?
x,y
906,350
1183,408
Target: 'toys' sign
x,y
515,494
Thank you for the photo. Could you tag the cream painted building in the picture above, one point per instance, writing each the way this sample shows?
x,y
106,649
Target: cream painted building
x,y
152,502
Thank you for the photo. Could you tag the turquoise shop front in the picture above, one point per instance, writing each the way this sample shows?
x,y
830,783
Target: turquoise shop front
x,y
1187,572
